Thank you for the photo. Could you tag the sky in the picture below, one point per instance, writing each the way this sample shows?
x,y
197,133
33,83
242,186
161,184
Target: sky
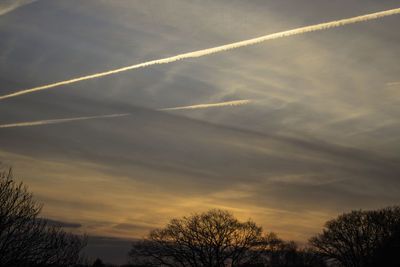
x,y
315,131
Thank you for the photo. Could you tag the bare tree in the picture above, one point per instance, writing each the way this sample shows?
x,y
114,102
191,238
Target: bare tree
x,y
214,238
280,253
362,238
26,240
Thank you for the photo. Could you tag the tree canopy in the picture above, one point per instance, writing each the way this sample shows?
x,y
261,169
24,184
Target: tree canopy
x,y
26,239
362,238
213,238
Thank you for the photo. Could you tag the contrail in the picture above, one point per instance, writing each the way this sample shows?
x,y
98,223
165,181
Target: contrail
x,y
221,104
10,5
43,122
216,49
54,121
393,84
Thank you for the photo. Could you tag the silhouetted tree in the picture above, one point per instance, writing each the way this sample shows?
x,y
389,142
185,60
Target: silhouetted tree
x,y
279,253
362,238
98,263
26,240
214,238
308,257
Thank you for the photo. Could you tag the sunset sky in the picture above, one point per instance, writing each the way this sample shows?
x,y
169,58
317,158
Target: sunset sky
x,y
314,131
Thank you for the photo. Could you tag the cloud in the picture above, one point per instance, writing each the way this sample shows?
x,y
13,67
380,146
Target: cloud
x,y
63,224
131,227
208,51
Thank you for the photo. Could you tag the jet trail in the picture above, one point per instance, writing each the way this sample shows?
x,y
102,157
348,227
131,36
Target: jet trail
x,y
221,104
393,84
35,123
10,5
54,121
216,49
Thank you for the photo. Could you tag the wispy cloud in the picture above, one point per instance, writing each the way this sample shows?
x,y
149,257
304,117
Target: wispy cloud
x,y
54,121
9,5
220,104
199,53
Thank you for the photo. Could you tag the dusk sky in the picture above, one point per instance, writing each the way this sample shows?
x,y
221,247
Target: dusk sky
x,y
313,131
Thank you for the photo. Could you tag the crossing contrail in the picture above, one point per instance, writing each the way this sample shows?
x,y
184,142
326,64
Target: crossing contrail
x,y
54,121
216,49
221,104
43,122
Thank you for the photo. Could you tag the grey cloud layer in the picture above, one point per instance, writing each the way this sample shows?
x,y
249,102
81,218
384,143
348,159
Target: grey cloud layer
x,y
173,144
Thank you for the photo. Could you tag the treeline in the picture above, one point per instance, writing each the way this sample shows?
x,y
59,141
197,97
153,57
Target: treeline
x,y
216,238
211,239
